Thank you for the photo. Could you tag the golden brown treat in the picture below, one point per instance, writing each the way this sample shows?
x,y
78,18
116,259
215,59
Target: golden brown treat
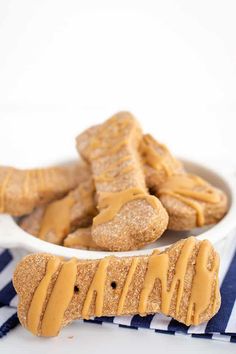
x,y
53,222
181,282
128,216
82,239
23,190
158,162
191,202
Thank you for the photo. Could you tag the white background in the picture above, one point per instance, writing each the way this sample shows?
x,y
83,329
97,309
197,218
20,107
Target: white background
x,y
65,65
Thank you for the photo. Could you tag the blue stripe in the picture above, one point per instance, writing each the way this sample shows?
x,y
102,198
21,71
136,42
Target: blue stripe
x,y
204,336
228,294
125,326
139,321
105,319
11,323
7,293
164,331
93,321
5,259
233,339
177,326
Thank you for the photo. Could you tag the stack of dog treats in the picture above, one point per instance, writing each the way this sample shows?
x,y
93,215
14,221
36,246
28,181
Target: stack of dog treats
x,y
127,191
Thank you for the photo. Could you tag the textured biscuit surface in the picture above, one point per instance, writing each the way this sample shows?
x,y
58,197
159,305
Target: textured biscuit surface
x,y
128,216
23,190
189,200
54,221
181,282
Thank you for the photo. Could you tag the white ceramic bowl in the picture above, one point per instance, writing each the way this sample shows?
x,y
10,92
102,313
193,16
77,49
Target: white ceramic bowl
x,y
11,235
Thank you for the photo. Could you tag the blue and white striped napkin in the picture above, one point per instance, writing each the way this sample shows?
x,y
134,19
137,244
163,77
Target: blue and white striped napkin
x,y
221,327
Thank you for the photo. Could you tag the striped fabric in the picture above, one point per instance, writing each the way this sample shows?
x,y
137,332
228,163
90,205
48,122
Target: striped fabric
x,y
221,327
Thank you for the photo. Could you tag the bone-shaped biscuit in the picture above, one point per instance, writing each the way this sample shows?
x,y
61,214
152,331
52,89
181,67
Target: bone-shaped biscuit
x,y
128,216
54,221
23,190
189,200
181,282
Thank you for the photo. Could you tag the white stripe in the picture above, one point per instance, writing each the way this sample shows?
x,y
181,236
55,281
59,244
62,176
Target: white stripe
x,y
231,326
222,337
14,301
160,321
200,329
123,320
5,313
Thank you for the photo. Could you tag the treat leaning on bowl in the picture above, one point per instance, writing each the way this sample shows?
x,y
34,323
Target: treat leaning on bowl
x,y
23,190
189,200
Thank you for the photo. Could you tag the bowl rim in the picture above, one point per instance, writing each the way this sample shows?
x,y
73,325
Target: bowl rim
x,y
12,236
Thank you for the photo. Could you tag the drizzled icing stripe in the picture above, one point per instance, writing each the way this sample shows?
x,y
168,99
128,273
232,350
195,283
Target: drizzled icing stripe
x,y
111,203
128,281
56,218
97,285
58,301
183,187
36,306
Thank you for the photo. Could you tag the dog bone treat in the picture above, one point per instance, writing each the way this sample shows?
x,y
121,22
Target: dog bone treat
x,y
55,220
82,238
22,190
158,162
181,282
191,202
128,216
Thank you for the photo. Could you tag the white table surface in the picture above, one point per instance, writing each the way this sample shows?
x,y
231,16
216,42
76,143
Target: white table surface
x,y
65,65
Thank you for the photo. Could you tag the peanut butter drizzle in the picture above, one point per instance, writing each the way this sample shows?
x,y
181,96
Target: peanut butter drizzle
x,y
57,218
203,279
128,281
59,299
152,158
36,306
111,203
3,189
193,204
158,266
97,286
182,187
